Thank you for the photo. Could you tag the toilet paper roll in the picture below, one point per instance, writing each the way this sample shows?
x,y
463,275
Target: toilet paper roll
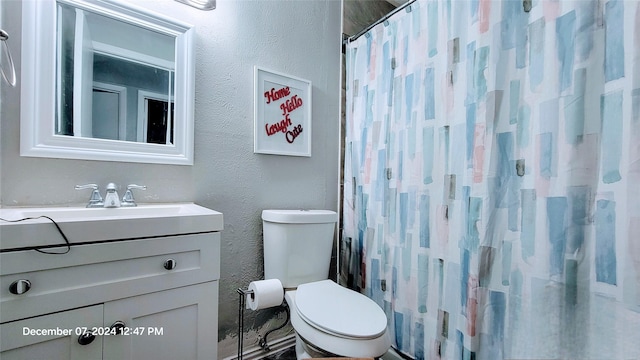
x,y
266,294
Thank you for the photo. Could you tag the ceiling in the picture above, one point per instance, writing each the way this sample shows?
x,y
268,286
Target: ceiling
x,y
359,14
397,2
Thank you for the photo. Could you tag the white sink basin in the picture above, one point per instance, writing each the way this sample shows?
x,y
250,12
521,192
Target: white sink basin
x,y
77,213
82,224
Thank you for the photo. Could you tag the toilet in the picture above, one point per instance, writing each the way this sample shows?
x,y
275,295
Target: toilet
x,y
329,320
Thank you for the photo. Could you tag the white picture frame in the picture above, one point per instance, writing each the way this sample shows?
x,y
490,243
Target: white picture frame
x,y
282,114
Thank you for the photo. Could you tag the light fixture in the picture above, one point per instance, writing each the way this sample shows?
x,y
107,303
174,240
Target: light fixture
x,y
200,4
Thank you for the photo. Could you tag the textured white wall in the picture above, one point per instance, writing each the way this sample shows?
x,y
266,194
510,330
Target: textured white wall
x,y
301,38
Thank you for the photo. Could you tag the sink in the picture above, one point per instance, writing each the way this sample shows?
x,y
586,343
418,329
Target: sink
x,y
81,224
77,213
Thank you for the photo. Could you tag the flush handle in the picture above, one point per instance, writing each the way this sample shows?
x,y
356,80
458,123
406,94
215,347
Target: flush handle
x,y
20,287
170,264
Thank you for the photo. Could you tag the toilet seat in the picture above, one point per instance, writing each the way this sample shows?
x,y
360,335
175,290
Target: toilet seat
x,y
332,338
339,311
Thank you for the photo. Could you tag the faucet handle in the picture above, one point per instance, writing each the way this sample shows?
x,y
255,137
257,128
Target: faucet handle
x,y
96,199
134,186
87,186
127,199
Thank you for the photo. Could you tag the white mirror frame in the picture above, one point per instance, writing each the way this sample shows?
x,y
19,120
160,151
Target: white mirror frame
x,y
38,94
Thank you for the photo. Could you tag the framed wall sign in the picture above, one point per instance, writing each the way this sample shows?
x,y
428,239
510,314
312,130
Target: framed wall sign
x,y
282,117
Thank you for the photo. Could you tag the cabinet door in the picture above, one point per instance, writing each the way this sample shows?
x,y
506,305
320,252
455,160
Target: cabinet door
x,y
52,337
180,323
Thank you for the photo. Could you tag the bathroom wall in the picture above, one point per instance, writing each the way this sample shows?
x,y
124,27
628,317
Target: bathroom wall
x,y
301,38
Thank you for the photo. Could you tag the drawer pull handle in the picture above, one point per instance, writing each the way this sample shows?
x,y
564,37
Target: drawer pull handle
x,y
118,326
170,264
86,338
20,287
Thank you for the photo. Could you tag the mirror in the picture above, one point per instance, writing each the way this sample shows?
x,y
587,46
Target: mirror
x,y
106,81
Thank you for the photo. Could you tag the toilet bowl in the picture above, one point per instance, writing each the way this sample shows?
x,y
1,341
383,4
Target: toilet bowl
x,y
331,320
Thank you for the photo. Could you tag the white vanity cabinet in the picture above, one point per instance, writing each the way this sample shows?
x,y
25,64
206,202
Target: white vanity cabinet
x,y
161,292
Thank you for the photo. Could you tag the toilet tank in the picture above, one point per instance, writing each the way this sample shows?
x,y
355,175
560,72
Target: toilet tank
x,y
297,245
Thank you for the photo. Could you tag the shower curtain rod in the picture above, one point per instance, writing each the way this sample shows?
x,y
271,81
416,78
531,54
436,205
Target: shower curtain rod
x,y
381,20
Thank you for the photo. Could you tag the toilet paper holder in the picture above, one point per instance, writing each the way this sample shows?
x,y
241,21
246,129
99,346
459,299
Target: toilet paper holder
x,y
241,304
249,292
262,339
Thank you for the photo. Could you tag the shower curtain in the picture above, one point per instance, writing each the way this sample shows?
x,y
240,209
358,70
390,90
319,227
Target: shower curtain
x,y
492,178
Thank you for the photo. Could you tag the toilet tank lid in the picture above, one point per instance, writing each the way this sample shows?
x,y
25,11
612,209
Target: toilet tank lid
x,y
300,216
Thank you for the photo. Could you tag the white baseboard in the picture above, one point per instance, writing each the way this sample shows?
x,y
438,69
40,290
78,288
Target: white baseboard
x,y
256,352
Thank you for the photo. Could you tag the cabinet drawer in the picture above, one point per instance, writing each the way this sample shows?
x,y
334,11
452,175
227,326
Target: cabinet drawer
x,y
95,273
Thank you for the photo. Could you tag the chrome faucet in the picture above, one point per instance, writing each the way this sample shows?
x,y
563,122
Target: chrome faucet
x,y
127,199
96,199
111,199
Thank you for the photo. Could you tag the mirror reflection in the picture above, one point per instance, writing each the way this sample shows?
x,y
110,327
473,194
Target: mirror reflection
x,y
115,80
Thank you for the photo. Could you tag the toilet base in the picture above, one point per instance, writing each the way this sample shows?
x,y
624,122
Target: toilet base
x,y
300,353
305,351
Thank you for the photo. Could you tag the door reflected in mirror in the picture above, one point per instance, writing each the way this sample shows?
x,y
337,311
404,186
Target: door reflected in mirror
x,y
115,84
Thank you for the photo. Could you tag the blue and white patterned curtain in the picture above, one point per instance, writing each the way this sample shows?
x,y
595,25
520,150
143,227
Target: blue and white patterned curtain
x,y
492,178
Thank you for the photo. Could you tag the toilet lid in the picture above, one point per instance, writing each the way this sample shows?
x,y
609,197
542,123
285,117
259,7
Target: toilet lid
x,y
332,308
